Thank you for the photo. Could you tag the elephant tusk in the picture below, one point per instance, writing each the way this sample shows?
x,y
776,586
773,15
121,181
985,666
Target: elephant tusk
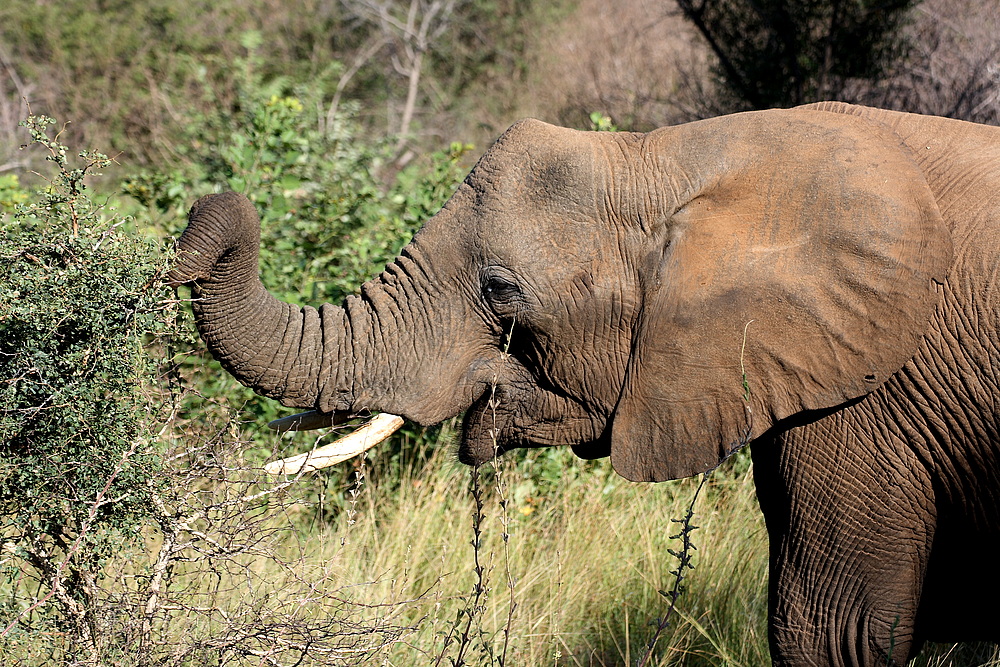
x,y
364,438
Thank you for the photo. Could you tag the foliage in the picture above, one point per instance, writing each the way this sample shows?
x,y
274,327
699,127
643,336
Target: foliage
x,y
129,71
779,53
108,544
77,298
11,193
330,217
600,122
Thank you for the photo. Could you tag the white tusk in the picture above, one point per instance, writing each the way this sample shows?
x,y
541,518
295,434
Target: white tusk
x,y
364,438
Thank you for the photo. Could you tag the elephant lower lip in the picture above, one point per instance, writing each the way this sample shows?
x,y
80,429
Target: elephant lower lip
x,y
522,416
475,453
485,431
595,449
469,458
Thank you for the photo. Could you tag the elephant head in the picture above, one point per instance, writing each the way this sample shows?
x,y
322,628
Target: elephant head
x,y
654,297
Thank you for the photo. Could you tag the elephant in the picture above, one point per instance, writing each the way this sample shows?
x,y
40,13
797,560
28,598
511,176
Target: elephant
x,y
820,282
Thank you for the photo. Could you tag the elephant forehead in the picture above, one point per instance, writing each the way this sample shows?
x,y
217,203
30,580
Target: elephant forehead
x,y
540,166
523,235
533,186
544,228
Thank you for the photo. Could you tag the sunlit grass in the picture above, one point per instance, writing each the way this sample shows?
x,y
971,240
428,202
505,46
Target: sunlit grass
x,y
390,581
588,553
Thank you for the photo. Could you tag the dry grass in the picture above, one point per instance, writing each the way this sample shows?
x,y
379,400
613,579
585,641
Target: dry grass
x,y
587,554
390,578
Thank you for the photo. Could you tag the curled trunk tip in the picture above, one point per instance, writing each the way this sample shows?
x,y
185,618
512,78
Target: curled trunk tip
x,y
218,224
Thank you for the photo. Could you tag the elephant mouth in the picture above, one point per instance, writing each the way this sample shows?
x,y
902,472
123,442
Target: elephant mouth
x,y
498,422
486,432
595,449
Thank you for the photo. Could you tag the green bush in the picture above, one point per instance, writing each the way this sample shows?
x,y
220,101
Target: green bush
x,y
78,297
11,193
80,477
333,209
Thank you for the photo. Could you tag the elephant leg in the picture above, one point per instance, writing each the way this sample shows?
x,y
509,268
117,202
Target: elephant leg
x,y
850,526
823,615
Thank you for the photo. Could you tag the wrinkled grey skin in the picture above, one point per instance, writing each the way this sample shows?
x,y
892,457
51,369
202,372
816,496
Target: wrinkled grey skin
x,y
843,258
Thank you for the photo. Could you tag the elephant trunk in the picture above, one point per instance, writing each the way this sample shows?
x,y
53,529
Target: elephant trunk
x,y
280,350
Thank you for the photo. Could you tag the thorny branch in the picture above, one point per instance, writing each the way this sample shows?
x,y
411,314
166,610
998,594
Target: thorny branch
x,y
57,584
218,525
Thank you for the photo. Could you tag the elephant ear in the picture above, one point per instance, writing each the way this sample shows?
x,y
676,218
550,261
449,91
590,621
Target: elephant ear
x,y
796,268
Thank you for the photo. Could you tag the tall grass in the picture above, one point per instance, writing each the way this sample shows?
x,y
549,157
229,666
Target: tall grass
x,y
587,552
264,571
588,557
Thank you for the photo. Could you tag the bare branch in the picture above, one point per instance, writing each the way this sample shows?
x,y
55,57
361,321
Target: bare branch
x,y
411,28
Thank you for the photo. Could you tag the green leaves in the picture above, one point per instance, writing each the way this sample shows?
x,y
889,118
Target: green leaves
x,y
77,298
334,207
12,194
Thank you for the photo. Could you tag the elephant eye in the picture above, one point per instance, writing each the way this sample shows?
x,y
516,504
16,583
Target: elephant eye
x,y
498,290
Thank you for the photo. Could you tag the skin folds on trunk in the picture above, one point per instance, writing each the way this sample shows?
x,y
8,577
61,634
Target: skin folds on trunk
x,y
282,351
383,350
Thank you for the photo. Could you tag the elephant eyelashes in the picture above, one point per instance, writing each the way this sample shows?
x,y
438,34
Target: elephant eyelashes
x,y
499,291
